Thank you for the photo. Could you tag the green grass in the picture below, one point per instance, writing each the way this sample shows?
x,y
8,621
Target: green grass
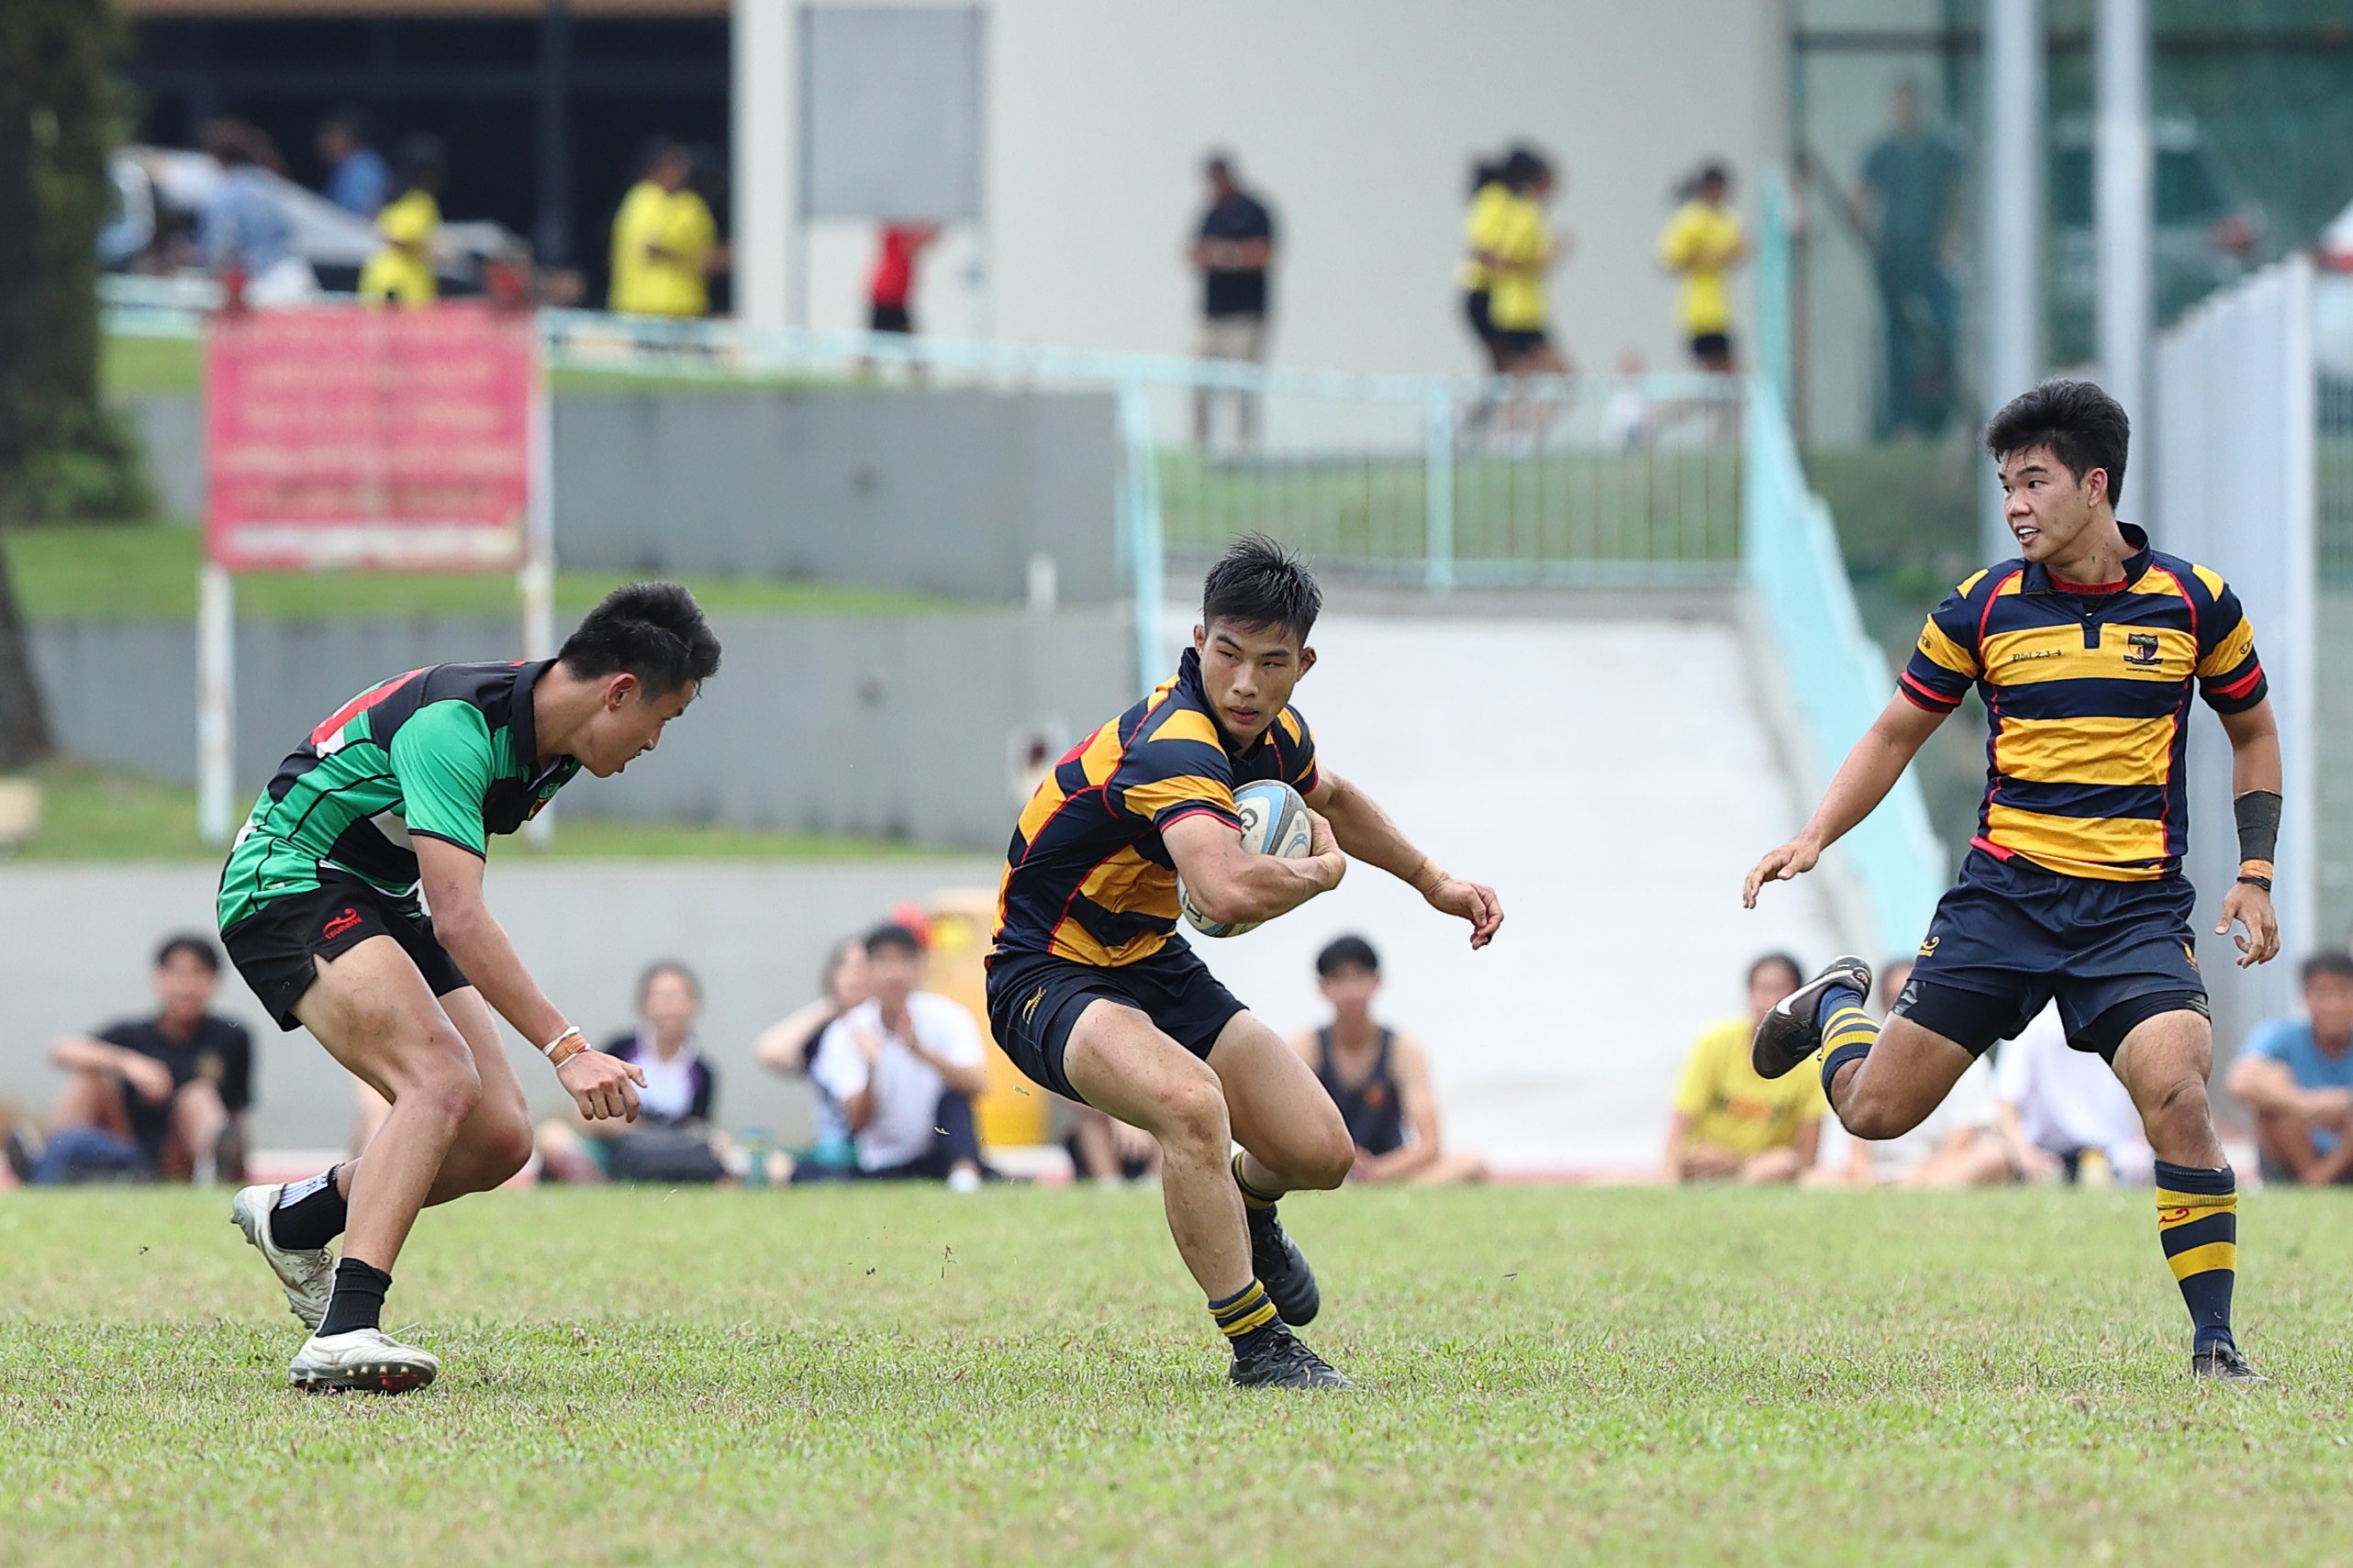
x,y
129,366
1570,509
89,813
148,572
861,1376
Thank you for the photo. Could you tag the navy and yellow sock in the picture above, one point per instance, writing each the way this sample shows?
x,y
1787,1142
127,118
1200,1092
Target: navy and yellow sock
x,y
1251,1196
1245,1317
2197,1223
1847,1031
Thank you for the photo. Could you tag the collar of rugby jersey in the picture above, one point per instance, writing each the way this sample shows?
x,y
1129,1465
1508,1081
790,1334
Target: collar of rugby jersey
x,y
1188,683
2037,578
524,720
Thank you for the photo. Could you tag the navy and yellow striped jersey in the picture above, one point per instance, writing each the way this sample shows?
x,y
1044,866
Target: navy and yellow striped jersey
x,y
1086,877
2088,689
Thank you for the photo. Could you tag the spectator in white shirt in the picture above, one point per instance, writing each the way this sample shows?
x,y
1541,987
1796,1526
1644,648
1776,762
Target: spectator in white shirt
x,y
905,1066
788,1048
1956,1146
2064,1114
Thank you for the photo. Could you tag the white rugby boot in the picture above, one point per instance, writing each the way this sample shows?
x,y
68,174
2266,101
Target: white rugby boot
x,y
308,1275
366,1359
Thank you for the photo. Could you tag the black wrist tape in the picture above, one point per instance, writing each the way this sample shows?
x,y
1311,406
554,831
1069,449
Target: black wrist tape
x,y
2259,824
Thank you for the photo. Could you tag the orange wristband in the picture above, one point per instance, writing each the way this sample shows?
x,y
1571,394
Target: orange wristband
x,y
565,1046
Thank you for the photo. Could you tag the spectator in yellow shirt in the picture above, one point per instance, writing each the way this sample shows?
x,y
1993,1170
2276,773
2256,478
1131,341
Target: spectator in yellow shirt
x,y
665,241
1728,1123
1702,242
402,272
1514,246
1491,190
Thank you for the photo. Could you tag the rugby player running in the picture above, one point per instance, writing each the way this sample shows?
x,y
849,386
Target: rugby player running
x,y
398,791
1092,996
2086,649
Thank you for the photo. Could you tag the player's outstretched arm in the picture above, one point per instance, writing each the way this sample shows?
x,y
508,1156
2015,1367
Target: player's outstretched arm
x,y
1368,834
601,1085
1863,781
2255,779
1226,882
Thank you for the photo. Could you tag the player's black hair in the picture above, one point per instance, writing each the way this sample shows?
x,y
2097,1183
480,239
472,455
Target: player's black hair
x,y
1712,173
1258,583
661,966
1523,166
1217,163
2073,420
424,159
2340,965
1797,972
653,630
894,936
1346,952
350,119
656,150
196,947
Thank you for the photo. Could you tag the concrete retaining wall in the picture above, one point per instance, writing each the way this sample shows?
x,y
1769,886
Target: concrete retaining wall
x,y
904,727
950,493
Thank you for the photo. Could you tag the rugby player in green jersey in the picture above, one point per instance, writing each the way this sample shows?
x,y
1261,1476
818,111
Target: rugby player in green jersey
x,y
398,793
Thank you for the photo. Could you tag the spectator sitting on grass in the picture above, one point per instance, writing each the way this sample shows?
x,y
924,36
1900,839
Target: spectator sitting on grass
x,y
1956,1146
1728,1123
162,1096
905,1065
788,1048
1108,1151
2296,1075
670,1140
1378,1078
2064,1114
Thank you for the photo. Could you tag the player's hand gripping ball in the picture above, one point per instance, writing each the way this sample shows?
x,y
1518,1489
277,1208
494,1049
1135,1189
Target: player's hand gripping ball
x,y
1274,822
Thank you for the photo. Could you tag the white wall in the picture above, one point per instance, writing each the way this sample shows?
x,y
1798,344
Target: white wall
x,y
1355,118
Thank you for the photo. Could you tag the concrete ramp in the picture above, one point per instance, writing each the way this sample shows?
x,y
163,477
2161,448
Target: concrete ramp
x,y
1613,779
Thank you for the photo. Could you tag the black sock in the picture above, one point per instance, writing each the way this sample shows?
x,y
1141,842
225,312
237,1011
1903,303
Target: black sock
x,y
358,1301
309,1214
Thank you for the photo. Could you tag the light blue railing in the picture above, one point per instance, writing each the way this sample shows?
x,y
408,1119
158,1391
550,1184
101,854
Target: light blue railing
x,y
1837,675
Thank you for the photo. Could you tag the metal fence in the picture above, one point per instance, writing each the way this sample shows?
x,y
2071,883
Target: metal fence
x,y
2230,481
1424,480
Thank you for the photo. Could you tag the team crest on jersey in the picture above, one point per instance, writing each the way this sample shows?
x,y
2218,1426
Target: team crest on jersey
x,y
2191,956
2140,651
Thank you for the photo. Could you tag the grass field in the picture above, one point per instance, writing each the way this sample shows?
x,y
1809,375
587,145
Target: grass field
x,y
1025,1376
89,813
1587,511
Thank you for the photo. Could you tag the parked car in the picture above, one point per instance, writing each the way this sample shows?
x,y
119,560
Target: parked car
x,y
159,191
2331,302
2208,233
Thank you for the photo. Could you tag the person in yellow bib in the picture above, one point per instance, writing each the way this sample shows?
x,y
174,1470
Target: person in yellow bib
x,y
1729,1124
1491,194
402,272
665,241
1700,243
1517,248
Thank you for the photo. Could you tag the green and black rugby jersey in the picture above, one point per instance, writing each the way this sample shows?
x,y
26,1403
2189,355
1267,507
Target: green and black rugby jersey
x,y
444,752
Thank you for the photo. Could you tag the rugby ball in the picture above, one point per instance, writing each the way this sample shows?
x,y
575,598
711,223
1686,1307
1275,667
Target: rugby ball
x,y
1274,822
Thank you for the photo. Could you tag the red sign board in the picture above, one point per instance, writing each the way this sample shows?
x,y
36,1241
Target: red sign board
x,y
396,439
